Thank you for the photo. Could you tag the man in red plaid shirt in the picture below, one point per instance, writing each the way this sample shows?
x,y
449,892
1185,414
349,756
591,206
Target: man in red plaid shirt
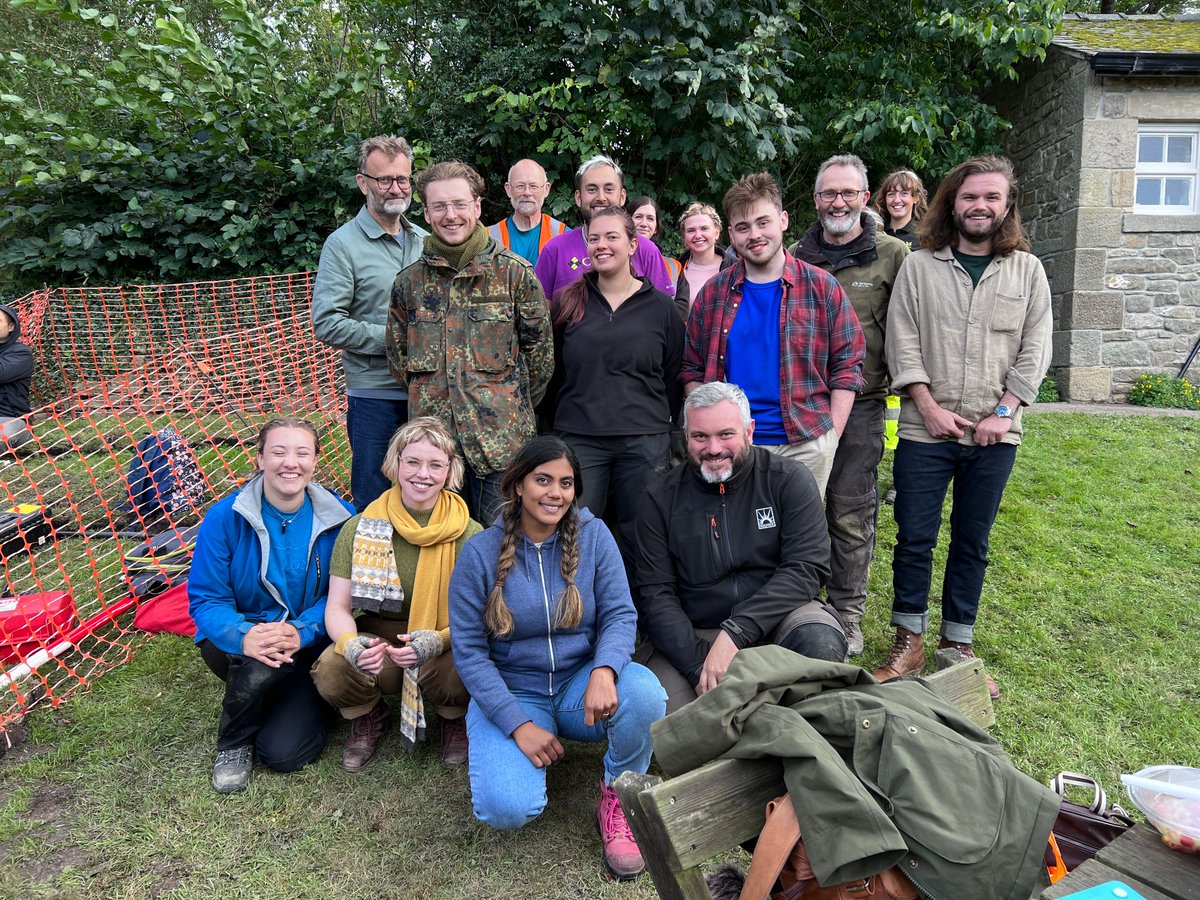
x,y
781,329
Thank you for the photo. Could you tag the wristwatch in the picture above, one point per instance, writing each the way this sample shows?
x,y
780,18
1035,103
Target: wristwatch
x,y
1004,412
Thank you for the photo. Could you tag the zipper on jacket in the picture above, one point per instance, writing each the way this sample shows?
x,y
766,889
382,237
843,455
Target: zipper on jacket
x,y
737,598
549,624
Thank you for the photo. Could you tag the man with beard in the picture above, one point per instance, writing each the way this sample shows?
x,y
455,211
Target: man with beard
x,y
353,287
469,333
968,343
732,551
528,229
782,329
599,184
845,242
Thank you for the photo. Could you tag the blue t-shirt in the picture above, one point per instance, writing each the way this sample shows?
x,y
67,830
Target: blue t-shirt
x,y
287,565
525,243
752,357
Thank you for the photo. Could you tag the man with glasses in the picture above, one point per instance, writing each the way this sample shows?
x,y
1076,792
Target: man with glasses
x,y
469,333
781,329
845,241
528,229
358,264
599,184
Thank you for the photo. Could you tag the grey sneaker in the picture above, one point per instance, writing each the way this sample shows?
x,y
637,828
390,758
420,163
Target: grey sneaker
x,y
854,638
231,771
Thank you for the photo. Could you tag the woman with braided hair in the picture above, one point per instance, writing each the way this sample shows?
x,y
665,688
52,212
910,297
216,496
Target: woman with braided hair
x,y
543,633
392,564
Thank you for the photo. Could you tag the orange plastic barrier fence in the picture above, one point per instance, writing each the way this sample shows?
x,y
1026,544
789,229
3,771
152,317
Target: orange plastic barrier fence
x,y
116,367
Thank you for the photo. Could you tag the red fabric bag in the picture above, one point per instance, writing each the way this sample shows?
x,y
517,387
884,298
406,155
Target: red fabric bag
x,y
167,611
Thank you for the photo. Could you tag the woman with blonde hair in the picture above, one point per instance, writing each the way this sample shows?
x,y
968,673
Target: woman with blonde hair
x,y
392,564
704,256
543,634
902,201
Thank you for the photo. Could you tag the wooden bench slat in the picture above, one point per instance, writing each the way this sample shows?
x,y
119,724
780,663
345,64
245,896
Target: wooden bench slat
x,y
1091,873
1140,853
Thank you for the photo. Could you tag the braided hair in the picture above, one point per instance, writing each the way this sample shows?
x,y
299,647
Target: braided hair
x,y
532,454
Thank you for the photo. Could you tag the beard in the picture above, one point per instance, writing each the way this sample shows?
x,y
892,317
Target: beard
x,y
976,229
840,226
389,206
720,466
526,207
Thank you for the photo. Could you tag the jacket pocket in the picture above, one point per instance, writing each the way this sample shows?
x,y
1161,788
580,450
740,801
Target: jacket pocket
x,y
426,328
1008,313
493,337
946,794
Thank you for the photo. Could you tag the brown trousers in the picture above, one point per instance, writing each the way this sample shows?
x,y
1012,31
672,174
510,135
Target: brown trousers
x,y
354,693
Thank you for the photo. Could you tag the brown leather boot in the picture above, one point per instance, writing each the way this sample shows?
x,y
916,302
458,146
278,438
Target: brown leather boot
x,y
454,742
365,735
965,650
907,656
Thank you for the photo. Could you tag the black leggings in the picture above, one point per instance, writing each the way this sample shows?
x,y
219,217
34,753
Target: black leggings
x,y
277,710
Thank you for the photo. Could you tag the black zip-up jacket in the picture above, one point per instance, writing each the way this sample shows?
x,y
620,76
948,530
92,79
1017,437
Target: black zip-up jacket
x,y
16,370
739,555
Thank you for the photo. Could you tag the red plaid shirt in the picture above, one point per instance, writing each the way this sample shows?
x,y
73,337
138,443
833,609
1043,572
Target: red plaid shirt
x,y
821,344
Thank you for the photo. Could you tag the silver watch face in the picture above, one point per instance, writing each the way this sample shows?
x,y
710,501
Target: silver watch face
x,y
1004,412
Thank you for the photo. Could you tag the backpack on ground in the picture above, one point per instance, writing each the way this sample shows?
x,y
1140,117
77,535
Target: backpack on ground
x,y
164,478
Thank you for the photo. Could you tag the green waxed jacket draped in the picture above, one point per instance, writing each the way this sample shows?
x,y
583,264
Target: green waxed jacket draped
x,y
881,774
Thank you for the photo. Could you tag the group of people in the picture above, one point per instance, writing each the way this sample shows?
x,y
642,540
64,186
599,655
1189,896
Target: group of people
x,y
512,389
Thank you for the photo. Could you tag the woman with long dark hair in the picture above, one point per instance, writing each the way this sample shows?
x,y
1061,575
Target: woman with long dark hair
x,y
257,591
618,349
543,628
647,221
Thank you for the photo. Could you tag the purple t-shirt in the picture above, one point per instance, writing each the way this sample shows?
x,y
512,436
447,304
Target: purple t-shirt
x,y
564,260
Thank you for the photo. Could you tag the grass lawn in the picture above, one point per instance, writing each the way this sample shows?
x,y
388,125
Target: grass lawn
x,y
1088,621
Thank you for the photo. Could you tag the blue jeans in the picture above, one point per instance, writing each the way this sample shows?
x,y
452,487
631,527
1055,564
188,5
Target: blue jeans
x,y
922,473
482,493
507,790
370,424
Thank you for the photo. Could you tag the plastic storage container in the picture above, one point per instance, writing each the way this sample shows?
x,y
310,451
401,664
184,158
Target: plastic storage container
x,y
33,621
1170,798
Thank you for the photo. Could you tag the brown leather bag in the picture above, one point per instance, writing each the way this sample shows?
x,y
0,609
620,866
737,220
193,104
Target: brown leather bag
x,y
780,855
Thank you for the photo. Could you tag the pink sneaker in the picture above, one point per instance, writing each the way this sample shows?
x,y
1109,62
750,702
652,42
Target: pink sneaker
x,y
621,853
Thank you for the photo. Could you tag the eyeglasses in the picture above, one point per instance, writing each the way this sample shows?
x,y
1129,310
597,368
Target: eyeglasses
x,y
532,187
409,464
459,206
386,181
830,196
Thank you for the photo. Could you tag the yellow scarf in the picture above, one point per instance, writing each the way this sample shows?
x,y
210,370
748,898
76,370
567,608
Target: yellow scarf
x,y
374,567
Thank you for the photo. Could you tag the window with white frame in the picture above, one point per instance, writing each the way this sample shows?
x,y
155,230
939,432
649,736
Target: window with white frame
x,y
1168,167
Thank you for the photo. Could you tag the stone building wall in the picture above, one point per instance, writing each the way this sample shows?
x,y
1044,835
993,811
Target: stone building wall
x,y
1125,287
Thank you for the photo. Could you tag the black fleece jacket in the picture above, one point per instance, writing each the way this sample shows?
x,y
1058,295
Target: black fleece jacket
x,y
739,556
16,370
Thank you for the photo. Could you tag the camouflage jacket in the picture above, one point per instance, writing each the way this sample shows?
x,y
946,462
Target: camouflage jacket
x,y
475,349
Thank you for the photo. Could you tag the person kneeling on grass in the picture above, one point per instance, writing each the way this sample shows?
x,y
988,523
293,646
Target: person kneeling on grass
x,y
257,592
393,562
543,628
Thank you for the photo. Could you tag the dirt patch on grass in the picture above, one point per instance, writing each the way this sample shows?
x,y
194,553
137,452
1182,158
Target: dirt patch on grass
x,y
51,813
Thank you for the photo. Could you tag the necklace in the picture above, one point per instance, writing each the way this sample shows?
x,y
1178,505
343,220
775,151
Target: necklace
x,y
284,521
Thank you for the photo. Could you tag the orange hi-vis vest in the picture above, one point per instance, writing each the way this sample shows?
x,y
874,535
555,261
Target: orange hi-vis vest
x,y
551,228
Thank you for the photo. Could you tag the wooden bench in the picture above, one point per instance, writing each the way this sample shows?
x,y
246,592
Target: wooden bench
x,y
682,822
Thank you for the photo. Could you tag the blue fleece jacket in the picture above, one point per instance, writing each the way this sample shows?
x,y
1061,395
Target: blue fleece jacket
x,y
228,590
537,657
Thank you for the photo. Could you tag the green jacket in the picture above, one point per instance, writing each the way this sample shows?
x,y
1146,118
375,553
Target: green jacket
x,y
475,348
867,275
881,774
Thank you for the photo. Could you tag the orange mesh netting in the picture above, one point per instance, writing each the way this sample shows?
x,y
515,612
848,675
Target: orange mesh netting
x,y
115,369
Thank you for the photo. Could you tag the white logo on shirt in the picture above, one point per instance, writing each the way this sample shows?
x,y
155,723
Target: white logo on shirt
x,y
765,517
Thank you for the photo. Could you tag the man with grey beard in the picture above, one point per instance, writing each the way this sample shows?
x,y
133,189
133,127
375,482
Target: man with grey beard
x,y
846,242
528,229
732,550
351,295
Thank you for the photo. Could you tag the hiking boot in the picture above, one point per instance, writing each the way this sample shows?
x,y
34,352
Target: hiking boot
x,y
231,771
965,650
854,638
365,736
454,742
907,656
621,854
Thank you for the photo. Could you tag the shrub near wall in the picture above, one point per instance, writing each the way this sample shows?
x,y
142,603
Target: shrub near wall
x,y
173,157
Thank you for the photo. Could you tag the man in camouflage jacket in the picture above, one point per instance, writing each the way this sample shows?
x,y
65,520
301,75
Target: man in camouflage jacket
x,y
469,333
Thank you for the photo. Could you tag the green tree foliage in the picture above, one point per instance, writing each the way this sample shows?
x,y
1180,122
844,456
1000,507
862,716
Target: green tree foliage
x,y
146,151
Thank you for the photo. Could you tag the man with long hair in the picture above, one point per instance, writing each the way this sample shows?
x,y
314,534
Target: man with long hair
x,y
968,343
